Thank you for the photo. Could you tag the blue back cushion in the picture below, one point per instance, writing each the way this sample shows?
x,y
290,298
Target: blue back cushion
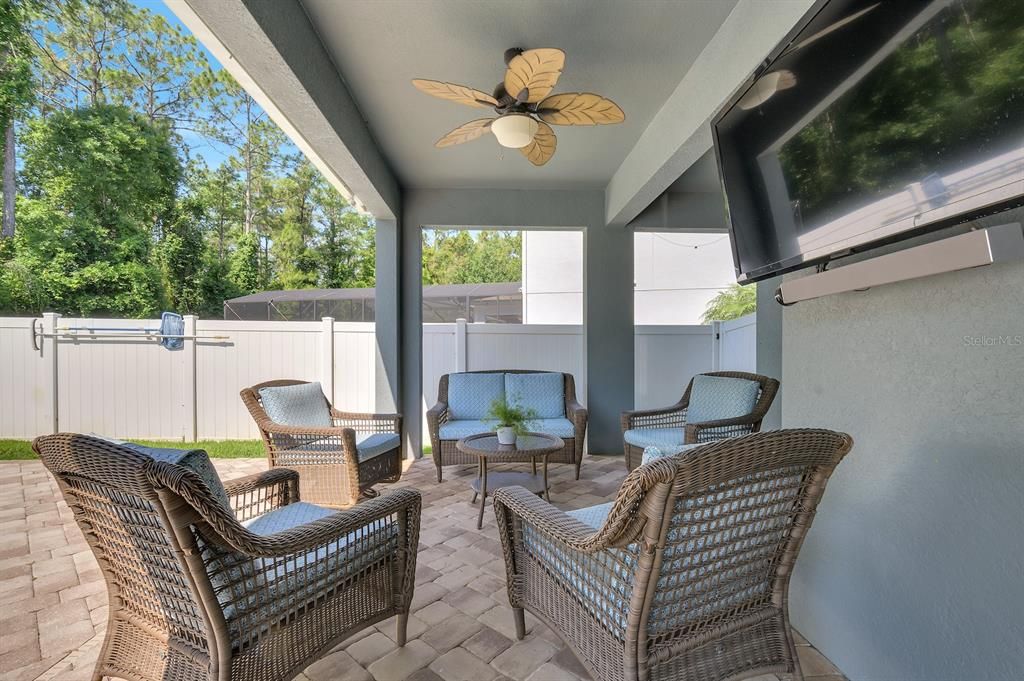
x,y
196,460
297,405
544,393
470,395
718,397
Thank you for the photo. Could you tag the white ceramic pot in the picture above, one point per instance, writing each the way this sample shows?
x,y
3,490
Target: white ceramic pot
x,y
506,435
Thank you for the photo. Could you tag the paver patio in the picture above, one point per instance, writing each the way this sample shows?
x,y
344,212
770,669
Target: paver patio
x,y
53,598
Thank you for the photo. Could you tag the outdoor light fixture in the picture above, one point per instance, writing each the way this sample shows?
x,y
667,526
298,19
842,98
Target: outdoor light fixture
x,y
766,87
514,131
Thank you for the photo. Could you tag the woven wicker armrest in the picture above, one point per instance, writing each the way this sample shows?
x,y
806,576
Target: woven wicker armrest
x,y
652,418
708,431
257,494
376,423
437,415
575,411
555,524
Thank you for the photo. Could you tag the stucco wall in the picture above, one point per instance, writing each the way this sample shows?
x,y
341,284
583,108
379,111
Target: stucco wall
x,y
913,569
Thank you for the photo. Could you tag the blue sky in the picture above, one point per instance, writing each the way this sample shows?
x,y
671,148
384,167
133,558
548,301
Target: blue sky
x,y
212,153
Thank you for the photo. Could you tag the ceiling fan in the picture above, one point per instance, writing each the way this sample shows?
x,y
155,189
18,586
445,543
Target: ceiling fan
x,y
525,105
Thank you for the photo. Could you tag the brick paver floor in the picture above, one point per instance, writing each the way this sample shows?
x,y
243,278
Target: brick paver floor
x,y
53,602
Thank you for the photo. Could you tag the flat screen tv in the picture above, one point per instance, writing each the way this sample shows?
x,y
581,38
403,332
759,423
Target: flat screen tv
x,y
872,122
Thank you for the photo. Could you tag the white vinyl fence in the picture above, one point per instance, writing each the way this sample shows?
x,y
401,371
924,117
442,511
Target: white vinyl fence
x,y
101,382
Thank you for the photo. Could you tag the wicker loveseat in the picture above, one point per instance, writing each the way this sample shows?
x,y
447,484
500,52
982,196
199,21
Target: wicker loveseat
x,y
463,400
685,576
715,405
235,581
339,455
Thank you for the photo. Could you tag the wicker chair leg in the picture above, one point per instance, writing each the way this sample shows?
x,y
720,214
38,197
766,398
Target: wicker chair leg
x,y
579,462
402,628
520,617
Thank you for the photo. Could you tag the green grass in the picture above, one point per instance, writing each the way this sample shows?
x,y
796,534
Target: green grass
x,y
11,450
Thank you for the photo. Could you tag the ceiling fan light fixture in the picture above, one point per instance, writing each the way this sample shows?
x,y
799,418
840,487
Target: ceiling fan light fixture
x,y
514,131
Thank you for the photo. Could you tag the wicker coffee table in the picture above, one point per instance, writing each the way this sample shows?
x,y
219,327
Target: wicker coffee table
x,y
486,448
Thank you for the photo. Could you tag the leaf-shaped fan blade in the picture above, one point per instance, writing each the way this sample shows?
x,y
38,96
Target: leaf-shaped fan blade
x,y
536,71
467,132
542,148
456,93
579,108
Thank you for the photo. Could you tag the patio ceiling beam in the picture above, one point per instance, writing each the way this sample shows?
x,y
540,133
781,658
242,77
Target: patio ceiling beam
x,y
680,132
273,51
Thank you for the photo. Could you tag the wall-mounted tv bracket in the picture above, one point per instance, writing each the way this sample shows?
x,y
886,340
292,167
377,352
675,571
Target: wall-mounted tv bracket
x,y
974,249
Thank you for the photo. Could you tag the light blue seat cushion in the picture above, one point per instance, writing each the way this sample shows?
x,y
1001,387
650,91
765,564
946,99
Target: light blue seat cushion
x,y
592,515
544,393
655,437
456,430
297,405
559,427
652,453
283,584
713,398
369,445
196,460
470,395
605,594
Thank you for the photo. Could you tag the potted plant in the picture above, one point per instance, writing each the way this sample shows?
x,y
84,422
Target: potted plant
x,y
509,420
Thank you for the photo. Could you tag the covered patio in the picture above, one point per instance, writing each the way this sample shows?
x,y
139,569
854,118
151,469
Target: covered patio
x,y
460,629
909,571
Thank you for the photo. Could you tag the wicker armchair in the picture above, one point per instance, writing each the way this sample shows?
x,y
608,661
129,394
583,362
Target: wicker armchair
x,y
685,576
444,452
195,594
674,416
329,460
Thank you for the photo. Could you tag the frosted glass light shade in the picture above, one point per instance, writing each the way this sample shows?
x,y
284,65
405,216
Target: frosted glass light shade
x,y
514,130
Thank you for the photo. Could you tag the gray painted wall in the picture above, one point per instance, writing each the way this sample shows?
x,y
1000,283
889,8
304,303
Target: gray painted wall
x,y
769,345
608,288
913,569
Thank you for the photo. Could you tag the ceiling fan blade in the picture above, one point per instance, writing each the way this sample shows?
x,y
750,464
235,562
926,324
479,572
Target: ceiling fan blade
x,y
467,132
455,93
579,108
542,148
535,71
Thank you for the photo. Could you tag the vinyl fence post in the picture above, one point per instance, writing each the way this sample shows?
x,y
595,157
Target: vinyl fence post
x,y
51,341
716,346
460,345
327,357
191,391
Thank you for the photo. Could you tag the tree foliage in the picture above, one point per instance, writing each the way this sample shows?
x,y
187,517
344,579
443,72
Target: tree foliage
x,y
458,257
732,303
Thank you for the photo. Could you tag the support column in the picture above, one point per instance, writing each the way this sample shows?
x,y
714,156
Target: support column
x,y
769,345
412,335
608,320
388,317
461,346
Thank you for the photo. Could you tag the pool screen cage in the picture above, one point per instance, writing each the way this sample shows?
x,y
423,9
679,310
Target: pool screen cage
x,y
500,303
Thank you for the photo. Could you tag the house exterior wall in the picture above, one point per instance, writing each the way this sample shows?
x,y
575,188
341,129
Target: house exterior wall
x,y
675,275
912,569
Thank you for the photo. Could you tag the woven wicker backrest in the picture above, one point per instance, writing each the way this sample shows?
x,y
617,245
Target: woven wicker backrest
x,y
116,506
732,528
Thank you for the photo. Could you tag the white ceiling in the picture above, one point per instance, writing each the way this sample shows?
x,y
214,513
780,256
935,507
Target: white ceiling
x,y
633,52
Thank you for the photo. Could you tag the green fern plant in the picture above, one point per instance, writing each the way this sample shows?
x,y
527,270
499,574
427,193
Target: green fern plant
x,y
510,416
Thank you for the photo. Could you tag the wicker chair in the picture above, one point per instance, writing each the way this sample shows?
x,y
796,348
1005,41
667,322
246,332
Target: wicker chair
x,y
691,433
194,594
444,452
328,459
685,576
